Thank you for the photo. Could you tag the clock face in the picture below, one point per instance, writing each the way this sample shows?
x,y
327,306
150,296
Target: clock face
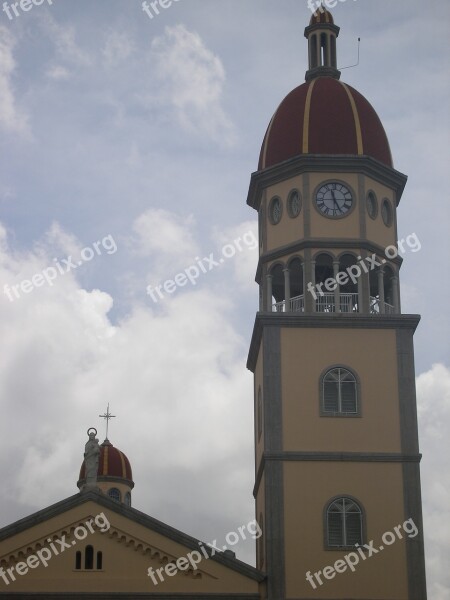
x,y
334,199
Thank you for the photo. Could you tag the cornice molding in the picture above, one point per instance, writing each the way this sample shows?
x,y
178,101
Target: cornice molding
x,y
316,163
323,321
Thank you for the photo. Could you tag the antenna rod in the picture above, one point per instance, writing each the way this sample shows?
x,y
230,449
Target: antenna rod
x,y
355,65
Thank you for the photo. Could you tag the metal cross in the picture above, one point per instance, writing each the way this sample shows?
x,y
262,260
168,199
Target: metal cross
x,y
107,416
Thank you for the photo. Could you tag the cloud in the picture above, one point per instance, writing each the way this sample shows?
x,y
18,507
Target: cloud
x,y
166,239
192,81
118,47
11,117
245,236
176,381
64,39
58,73
433,394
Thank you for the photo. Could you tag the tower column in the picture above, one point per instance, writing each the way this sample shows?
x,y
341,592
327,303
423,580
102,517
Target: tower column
x,y
396,294
310,300
327,51
381,291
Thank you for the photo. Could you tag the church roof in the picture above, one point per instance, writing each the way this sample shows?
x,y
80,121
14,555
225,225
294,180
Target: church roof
x,y
324,116
133,515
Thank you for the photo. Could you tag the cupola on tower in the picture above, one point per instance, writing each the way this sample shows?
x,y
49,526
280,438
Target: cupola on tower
x,y
337,455
114,474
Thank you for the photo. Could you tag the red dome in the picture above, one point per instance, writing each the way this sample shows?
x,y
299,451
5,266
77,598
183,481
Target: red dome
x,y
324,116
112,463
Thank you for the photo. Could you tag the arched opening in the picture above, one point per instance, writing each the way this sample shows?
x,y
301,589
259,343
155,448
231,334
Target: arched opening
x,y
128,499
313,53
333,52
78,560
276,292
99,564
382,291
89,557
349,299
374,291
297,294
323,50
325,301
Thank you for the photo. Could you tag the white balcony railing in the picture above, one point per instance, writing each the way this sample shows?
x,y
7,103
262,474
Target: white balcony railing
x,y
296,304
376,307
327,304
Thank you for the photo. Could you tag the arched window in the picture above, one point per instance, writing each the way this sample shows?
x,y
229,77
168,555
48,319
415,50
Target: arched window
x,y
115,494
89,558
89,555
128,499
344,523
339,393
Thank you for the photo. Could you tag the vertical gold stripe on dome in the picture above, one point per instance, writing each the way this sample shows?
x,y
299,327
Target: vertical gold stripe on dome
x,y
105,461
359,140
124,468
306,117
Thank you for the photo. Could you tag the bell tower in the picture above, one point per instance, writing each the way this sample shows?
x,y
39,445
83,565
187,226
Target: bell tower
x,y
337,476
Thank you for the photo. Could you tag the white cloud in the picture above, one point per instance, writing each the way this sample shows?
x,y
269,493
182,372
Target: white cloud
x,y
433,394
192,80
64,39
118,47
167,240
11,117
245,236
178,376
58,73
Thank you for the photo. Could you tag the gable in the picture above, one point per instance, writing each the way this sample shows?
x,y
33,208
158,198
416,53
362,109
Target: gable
x,y
90,544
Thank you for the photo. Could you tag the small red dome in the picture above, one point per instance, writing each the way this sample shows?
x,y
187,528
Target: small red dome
x,y
112,463
324,116
321,16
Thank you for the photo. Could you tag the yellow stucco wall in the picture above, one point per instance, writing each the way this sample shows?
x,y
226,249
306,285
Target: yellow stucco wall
x,y
372,355
378,487
128,548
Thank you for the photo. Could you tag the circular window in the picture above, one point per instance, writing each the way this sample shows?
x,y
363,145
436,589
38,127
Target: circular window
x,y
275,210
386,212
294,204
372,205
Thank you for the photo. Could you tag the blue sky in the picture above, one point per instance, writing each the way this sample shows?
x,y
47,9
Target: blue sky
x,y
147,131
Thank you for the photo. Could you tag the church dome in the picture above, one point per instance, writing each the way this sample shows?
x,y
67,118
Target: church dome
x,y
321,16
113,465
324,116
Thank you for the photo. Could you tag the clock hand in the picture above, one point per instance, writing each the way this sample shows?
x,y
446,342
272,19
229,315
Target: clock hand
x,y
334,200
